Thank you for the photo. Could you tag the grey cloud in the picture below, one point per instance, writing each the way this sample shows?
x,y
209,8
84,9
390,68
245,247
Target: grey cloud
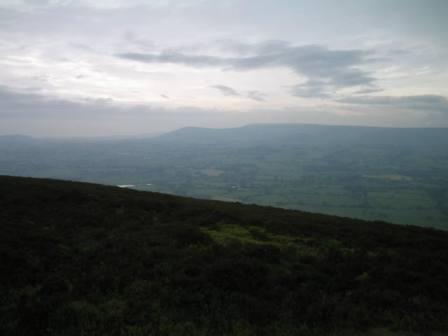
x,y
311,89
352,77
226,90
134,39
31,105
428,103
179,58
38,115
241,48
368,90
229,91
256,95
332,69
325,87
32,114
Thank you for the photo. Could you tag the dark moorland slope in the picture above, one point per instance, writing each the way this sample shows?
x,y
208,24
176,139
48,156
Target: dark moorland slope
x,y
86,259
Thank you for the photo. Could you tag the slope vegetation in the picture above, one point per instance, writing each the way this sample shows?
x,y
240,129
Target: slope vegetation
x,y
86,259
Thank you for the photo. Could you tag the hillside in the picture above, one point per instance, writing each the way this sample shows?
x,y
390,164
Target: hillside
x,y
86,259
398,175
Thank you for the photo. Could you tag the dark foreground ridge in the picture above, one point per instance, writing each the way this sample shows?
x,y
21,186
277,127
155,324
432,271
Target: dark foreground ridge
x,y
86,259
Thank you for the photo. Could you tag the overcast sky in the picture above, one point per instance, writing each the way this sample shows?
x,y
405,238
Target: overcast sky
x,y
117,67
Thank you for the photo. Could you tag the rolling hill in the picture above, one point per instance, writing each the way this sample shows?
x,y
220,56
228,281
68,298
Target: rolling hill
x,y
308,134
87,259
398,175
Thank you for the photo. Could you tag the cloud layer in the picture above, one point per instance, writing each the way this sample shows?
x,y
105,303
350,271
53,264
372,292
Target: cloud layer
x,y
424,103
231,92
325,70
123,66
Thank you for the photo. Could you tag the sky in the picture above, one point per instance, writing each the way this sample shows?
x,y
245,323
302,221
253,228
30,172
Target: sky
x,y
136,67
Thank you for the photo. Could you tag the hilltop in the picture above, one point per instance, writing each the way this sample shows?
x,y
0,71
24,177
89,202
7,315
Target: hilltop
x,y
307,134
87,259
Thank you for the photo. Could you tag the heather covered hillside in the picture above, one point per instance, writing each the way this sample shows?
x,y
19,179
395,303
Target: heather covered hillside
x,y
86,259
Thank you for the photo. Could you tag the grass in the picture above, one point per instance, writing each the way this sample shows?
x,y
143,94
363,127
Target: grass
x,y
85,259
227,234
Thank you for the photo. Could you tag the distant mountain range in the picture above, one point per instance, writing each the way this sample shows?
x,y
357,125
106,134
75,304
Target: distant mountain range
x,y
297,134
